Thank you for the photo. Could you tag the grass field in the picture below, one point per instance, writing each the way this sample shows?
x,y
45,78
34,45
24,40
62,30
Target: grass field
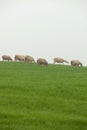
x,y
34,97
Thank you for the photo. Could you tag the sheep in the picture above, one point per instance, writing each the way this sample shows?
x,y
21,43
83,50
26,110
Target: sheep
x,y
76,63
59,60
6,57
19,58
42,61
29,59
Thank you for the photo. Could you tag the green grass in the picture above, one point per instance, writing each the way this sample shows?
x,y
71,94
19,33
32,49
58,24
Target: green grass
x,y
34,97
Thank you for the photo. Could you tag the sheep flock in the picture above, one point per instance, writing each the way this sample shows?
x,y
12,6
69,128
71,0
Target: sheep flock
x,y
40,61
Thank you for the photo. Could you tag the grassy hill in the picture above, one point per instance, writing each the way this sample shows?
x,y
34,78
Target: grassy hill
x,y
34,97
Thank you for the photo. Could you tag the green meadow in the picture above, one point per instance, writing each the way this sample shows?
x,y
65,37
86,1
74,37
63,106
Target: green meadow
x,y
34,97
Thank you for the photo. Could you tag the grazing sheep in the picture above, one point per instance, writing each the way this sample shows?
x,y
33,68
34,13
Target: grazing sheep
x,y
29,59
76,63
6,57
19,58
42,61
59,60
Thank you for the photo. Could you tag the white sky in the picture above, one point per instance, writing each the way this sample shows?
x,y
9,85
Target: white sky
x,y
44,28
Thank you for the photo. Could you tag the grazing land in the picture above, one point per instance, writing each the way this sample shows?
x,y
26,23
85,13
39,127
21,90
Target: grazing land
x,y
35,97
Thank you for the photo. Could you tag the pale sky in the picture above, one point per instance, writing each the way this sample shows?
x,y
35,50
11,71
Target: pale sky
x,y
44,28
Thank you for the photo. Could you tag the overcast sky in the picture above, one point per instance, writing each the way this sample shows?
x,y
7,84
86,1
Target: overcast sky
x,y
44,28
